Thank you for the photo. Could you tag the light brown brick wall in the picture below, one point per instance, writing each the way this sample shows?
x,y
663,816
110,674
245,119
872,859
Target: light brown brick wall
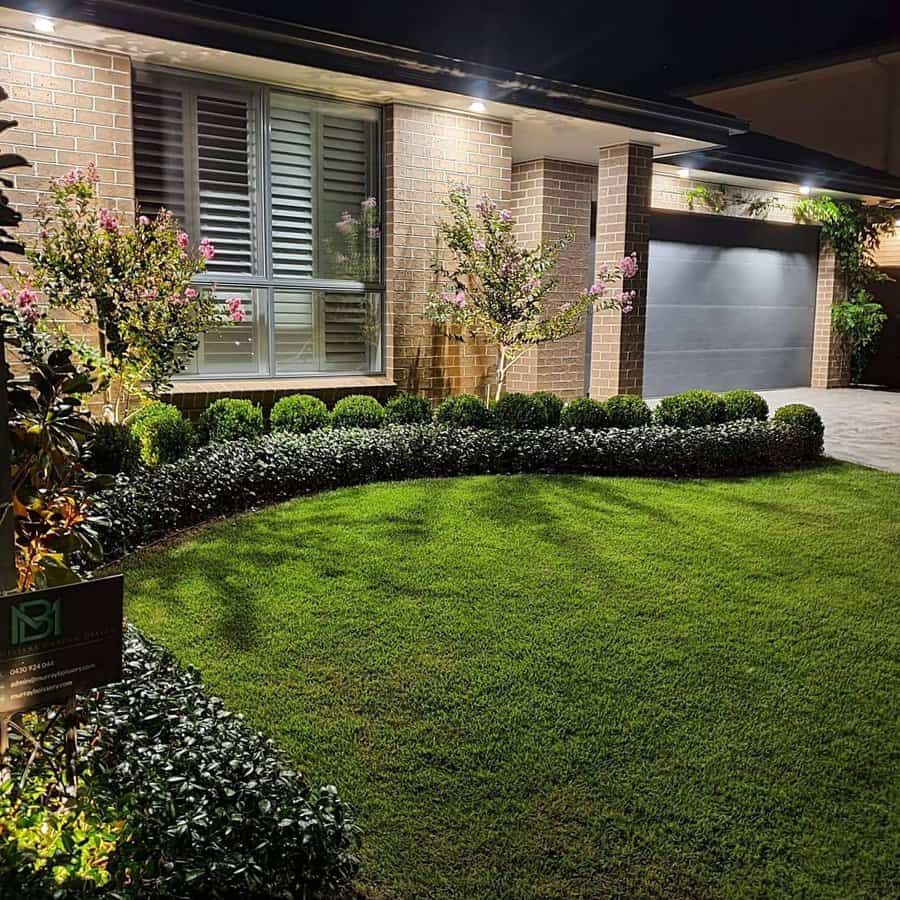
x,y
552,198
73,107
426,151
623,226
830,366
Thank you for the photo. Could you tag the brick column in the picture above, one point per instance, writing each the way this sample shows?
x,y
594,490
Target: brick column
x,y
830,362
426,151
624,177
552,198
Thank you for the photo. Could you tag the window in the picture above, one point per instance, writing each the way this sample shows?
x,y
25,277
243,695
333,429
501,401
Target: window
x,y
285,186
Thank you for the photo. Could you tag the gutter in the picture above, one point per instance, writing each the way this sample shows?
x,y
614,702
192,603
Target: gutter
x,y
209,26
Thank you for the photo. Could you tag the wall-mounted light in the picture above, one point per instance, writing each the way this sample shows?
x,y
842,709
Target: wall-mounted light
x,y
476,106
897,223
684,173
43,25
805,189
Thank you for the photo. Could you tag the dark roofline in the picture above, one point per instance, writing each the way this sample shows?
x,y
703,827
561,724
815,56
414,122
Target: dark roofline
x,y
784,70
210,26
822,170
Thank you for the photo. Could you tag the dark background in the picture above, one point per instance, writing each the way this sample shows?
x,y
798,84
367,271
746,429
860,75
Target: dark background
x,y
651,47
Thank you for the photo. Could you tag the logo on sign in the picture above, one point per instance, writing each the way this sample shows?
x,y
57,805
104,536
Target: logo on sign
x,y
35,620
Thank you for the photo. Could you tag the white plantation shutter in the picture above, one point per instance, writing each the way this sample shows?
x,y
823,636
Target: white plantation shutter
x,y
346,326
291,161
295,331
224,182
233,349
159,164
344,168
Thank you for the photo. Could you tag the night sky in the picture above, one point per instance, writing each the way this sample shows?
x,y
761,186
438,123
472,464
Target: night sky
x,y
651,47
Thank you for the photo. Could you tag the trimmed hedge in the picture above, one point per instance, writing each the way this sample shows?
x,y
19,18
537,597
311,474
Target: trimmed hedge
x,y
357,411
298,414
407,409
552,404
227,478
690,409
626,411
584,413
520,411
230,419
745,405
163,431
464,411
802,416
114,449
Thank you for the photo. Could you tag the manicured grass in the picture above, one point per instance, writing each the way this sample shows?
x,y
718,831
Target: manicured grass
x,y
571,687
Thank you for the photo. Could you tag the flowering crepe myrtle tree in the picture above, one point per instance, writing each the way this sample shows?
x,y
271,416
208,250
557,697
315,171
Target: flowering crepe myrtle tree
x,y
496,289
134,284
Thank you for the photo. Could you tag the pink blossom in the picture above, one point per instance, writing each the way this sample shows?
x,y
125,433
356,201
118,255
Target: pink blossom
x,y
460,299
479,245
92,176
627,308
629,266
236,311
207,250
183,240
566,307
26,300
26,297
4,293
533,283
108,221
190,293
143,221
598,289
369,203
486,205
345,224
178,301
604,269
505,216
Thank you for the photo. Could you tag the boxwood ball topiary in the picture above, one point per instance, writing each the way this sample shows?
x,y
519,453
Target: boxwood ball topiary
x,y
164,433
626,411
744,405
230,419
115,449
805,417
464,411
520,411
691,409
584,413
407,409
552,404
298,414
357,411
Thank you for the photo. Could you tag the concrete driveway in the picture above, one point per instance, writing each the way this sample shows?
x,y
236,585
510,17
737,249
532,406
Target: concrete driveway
x,y
861,426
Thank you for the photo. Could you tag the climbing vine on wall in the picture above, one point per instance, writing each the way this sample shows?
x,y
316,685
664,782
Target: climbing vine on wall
x,y
717,199
853,230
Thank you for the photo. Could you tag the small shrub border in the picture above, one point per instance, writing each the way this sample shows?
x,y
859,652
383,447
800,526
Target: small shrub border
x,y
240,475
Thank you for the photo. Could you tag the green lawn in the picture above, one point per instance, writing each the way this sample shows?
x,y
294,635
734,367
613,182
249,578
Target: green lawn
x,y
538,687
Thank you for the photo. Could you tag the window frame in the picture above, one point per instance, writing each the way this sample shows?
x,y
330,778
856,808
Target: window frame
x,y
262,281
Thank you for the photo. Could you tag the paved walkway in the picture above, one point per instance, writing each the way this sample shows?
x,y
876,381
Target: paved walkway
x,y
861,426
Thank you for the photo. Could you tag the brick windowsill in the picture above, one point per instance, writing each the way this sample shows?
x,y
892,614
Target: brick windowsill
x,y
257,385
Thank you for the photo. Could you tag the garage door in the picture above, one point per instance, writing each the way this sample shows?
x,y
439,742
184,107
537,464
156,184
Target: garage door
x,y
730,304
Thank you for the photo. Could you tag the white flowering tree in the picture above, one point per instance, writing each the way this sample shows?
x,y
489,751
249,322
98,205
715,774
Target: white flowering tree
x,y
497,289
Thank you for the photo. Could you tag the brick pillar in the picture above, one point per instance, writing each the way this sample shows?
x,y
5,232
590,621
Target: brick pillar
x,y
552,198
426,151
623,226
830,362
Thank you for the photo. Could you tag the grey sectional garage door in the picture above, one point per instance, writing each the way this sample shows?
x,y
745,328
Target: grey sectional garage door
x,y
730,304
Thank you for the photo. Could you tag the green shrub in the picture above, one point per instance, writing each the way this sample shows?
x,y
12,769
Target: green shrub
x,y
552,404
407,409
298,414
583,413
626,411
357,411
115,449
164,433
744,405
230,419
805,417
464,411
691,409
520,411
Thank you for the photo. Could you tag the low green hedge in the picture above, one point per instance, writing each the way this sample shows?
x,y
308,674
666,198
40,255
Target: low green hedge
x,y
626,411
463,411
164,433
407,409
298,414
520,411
230,419
691,409
584,413
114,449
745,405
240,475
805,417
191,803
552,404
357,411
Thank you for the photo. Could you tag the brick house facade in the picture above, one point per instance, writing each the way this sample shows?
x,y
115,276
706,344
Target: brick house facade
x,y
74,106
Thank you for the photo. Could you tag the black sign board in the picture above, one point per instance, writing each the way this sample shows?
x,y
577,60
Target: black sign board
x,y
59,642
